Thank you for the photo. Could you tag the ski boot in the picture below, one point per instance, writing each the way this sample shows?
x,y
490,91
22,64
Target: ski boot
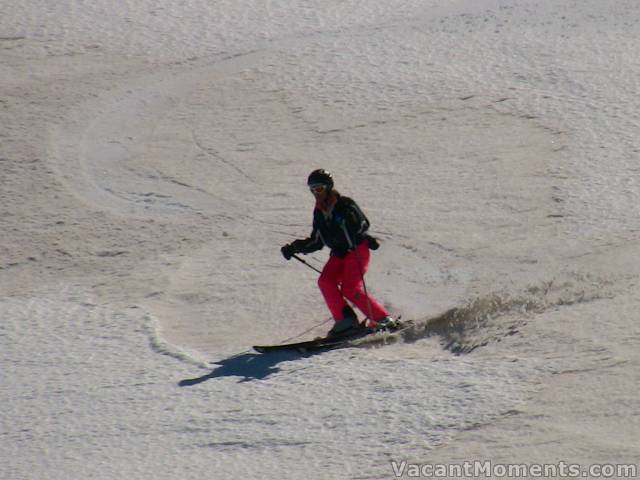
x,y
386,324
347,325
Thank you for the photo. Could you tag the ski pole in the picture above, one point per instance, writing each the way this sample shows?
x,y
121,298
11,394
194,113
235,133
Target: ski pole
x,y
354,249
364,285
306,263
320,271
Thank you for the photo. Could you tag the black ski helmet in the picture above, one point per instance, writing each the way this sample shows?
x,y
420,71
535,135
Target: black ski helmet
x,y
321,177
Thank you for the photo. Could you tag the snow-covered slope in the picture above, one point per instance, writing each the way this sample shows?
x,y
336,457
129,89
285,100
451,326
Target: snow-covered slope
x,y
154,158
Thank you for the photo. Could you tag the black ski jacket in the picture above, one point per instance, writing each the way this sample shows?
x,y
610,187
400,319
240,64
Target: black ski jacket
x,y
341,229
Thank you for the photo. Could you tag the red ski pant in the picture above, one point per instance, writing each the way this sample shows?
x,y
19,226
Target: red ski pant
x,y
342,278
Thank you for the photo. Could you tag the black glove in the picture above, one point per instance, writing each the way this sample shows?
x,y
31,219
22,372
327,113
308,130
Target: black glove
x,y
288,251
373,242
292,248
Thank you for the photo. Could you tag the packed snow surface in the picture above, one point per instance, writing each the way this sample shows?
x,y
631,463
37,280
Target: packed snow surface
x,y
153,161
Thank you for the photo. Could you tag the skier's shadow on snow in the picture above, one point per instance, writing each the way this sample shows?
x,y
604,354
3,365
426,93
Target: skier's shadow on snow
x,y
248,366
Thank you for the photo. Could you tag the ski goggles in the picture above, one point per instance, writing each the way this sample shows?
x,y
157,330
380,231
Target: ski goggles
x,y
317,188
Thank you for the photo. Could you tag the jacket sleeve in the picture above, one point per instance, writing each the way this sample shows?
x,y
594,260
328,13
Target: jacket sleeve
x,y
311,244
355,223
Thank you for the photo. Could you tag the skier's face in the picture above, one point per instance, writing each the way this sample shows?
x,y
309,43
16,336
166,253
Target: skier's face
x,y
319,191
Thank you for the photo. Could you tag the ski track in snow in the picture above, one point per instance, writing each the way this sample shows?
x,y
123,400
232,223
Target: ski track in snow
x,y
110,407
506,116
374,64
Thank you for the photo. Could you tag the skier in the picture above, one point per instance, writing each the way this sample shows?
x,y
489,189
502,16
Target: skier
x,y
339,224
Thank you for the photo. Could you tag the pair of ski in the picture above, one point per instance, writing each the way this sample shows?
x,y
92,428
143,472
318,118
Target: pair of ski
x,y
332,342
